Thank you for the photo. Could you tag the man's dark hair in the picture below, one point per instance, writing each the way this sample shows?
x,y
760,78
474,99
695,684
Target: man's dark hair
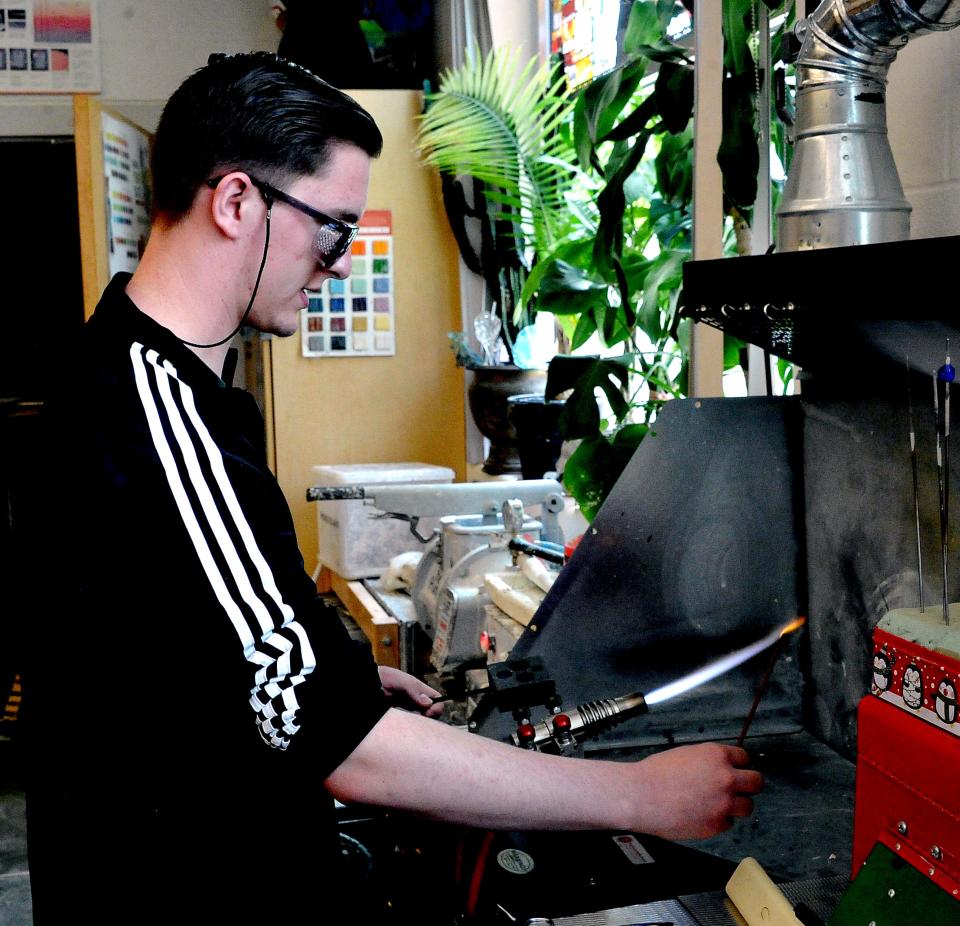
x,y
254,112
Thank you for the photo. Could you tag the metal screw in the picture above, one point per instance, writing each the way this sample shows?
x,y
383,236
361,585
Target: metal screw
x,y
902,827
897,848
931,872
891,892
936,852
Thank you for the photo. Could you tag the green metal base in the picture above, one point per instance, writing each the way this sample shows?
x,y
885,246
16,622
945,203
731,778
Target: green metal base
x,y
890,892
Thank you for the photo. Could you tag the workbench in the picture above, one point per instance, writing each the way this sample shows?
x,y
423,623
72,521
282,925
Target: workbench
x,y
380,627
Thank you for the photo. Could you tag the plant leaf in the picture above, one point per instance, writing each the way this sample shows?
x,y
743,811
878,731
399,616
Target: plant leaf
x,y
608,94
643,27
596,465
500,123
581,415
612,203
736,32
566,289
585,329
731,351
739,156
674,167
584,475
674,93
635,123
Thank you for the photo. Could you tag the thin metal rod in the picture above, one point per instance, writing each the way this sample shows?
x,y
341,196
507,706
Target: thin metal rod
x,y
940,489
916,486
761,688
944,528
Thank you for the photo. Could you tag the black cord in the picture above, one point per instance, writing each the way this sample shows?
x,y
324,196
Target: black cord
x,y
253,295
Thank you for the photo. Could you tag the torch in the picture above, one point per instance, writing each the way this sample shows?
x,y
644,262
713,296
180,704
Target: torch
x,y
589,718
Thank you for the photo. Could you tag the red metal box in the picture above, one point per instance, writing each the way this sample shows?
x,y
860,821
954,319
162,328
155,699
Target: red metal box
x,y
908,792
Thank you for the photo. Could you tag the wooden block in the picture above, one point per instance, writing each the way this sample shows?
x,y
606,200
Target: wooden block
x,y
380,628
514,594
325,581
759,901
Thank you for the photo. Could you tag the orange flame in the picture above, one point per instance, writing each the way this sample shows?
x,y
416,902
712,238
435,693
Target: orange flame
x,y
795,624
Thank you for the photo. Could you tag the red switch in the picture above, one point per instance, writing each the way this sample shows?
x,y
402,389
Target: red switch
x,y
526,735
561,729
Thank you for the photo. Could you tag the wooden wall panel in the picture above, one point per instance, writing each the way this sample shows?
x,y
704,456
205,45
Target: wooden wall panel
x,y
381,409
90,197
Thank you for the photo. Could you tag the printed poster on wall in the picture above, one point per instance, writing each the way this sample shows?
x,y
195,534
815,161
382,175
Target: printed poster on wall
x,y
49,46
126,174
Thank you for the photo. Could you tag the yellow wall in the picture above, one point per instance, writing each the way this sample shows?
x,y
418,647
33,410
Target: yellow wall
x,y
381,409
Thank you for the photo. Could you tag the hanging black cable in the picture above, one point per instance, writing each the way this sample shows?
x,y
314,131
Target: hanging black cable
x,y
253,295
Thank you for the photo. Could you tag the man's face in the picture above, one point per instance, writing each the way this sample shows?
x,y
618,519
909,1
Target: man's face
x,y
340,191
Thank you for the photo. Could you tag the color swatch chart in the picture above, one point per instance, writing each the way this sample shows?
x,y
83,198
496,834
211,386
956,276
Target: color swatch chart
x,y
126,157
355,317
49,46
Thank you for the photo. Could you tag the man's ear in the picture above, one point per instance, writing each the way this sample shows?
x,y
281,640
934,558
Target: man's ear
x,y
234,203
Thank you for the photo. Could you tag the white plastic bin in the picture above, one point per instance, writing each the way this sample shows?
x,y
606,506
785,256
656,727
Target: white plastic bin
x,y
349,540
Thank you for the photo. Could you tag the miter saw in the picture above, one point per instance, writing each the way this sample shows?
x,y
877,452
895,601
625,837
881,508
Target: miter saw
x,y
484,526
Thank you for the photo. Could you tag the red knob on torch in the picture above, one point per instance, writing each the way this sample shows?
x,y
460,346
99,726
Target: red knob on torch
x,y
526,736
561,729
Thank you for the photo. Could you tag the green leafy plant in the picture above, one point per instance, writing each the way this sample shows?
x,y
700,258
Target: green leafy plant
x,y
618,274
499,134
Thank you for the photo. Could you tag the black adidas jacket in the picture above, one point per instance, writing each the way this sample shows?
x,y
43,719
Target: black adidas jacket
x,y
189,693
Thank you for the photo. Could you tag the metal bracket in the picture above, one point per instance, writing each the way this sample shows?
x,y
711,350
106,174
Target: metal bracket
x,y
412,519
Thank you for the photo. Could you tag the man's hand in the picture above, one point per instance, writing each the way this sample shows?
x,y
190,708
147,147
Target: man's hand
x,y
403,690
693,792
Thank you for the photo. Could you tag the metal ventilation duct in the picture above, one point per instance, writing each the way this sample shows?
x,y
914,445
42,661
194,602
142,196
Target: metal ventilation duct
x,y
843,187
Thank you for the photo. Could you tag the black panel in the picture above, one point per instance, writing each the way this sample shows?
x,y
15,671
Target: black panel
x,y
829,309
861,540
42,303
694,553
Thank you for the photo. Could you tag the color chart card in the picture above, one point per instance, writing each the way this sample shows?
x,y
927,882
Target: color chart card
x,y
126,174
355,317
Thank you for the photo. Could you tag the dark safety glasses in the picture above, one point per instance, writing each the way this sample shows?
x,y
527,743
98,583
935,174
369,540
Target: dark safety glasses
x,y
333,236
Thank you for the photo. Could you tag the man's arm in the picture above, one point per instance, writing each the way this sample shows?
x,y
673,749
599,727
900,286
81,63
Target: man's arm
x,y
415,764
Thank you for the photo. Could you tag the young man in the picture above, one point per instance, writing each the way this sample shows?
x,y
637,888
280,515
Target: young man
x,y
195,707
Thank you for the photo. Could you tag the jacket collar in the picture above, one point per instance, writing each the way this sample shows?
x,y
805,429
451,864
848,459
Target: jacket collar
x,y
118,317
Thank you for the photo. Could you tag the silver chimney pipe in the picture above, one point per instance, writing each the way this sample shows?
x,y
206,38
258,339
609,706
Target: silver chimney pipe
x,y
843,187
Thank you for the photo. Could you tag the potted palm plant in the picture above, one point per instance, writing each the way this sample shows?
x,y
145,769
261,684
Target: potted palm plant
x,y
498,132
584,208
